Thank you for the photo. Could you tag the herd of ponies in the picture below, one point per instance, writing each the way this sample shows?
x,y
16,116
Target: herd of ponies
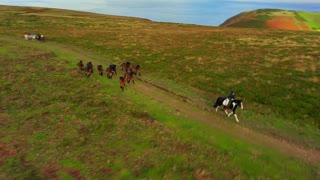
x,y
133,70
111,70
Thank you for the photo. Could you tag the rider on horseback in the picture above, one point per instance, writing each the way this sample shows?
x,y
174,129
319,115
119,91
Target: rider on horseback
x,y
232,96
228,100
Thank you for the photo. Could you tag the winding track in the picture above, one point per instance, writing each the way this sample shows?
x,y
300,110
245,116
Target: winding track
x,y
210,118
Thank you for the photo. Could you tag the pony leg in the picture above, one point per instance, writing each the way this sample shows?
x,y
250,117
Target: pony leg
x,y
225,111
236,117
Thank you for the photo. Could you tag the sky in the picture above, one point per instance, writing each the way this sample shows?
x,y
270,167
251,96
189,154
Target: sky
x,y
201,12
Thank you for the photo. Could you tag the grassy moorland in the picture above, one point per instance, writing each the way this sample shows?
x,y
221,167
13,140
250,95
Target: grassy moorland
x,y
55,123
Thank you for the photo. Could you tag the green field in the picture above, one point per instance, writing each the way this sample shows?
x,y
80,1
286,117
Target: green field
x,y
57,123
312,19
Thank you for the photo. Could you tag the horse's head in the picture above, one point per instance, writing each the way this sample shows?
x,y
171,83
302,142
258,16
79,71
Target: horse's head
x,y
238,102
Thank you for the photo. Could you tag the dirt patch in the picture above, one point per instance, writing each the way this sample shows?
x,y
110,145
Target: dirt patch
x,y
5,150
285,23
3,120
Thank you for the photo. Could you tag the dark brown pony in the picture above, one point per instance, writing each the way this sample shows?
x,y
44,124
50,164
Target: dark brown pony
x,y
40,37
129,77
136,69
109,73
126,66
80,65
88,71
113,69
90,66
122,83
100,70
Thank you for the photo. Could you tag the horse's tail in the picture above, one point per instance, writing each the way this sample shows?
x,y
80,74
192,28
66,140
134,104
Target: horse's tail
x,y
215,105
218,102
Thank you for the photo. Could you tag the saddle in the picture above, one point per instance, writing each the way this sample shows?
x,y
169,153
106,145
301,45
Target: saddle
x,y
226,102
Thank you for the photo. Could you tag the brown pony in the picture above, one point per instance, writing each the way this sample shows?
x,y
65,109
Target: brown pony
x,y
100,70
129,76
90,66
80,65
109,73
136,69
122,83
40,37
126,66
88,71
113,69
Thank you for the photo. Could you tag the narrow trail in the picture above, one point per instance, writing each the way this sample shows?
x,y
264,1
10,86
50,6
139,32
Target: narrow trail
x,y
228,126
199,112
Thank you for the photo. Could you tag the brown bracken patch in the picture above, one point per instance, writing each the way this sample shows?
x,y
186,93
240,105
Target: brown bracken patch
x,y
6,152
50,171
3,120
285,23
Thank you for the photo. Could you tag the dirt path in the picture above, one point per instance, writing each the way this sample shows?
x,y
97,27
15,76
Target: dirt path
x,y
218,120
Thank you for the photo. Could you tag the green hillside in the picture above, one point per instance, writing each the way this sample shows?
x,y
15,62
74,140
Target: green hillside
x,y
275,19
312,19
56,123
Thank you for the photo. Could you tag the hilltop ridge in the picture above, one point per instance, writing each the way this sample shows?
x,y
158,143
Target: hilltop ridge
x,y
275,19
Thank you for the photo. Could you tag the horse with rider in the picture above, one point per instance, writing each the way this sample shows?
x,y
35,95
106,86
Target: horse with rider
x,y
229,102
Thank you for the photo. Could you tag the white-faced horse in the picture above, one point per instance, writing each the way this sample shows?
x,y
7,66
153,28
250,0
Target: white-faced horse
x,y
31,36
233,104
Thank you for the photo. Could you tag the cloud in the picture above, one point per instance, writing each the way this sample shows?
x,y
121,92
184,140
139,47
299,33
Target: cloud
x,y
91,4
